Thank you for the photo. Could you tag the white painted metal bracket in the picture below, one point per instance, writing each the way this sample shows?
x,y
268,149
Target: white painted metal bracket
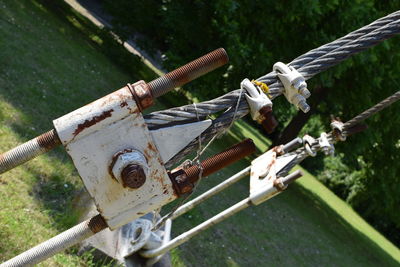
x,y
93,135
263,180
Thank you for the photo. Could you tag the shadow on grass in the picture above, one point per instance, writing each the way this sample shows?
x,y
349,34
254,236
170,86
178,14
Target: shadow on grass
x,y
334,223
28,84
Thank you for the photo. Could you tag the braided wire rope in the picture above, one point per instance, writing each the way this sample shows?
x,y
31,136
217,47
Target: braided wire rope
x,y
308,64
302,153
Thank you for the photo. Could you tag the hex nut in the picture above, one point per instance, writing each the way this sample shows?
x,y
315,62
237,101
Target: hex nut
x,y
133,176
130,168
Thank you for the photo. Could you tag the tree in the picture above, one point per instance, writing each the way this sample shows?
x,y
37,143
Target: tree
x,y
256,34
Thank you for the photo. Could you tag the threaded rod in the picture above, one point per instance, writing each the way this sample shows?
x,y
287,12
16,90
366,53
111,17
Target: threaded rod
x,y
188,72
221,160
28,150
58,243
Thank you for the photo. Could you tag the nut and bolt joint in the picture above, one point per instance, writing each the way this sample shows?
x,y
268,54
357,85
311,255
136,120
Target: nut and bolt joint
x,y
129,168
133,176
184,179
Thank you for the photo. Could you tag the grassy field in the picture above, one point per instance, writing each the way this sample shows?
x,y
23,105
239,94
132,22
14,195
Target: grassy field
x,y
52,64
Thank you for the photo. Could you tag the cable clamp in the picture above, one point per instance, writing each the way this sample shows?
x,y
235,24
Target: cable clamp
x,y
308,142
325,145
295,85
256,98
337,130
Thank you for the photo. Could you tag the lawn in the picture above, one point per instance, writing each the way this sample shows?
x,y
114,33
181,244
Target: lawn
x,y
53,63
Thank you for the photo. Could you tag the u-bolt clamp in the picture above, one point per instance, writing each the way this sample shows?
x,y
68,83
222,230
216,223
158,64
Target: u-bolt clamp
x,y
325,145
260,105
308,141
295,85
337,130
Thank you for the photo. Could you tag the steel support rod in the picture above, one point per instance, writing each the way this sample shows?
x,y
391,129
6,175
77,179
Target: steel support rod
x,y
196,230
212,192
58,243
166,239
265,194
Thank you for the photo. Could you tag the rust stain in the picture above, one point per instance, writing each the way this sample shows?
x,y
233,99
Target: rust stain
x,y
93,121
151,147
123,104
97,224
48,140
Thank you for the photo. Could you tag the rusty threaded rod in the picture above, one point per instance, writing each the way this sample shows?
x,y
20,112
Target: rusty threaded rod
x,y
221,160
188,72
29,150
59,243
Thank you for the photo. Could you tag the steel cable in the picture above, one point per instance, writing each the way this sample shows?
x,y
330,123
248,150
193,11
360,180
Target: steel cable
x,y
302,153
309,64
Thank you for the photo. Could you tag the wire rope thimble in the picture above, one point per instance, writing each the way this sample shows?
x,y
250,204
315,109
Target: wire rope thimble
x,y
308,142
295,85
326,145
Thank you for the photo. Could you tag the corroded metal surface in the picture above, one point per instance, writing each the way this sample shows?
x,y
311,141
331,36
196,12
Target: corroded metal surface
x,y
184,179
93,135
142,93
28,150
133,176
188,72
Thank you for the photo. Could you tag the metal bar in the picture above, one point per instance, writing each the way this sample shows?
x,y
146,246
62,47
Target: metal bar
x,y
266,193
196,230
28,150
292,145
58,243
215,190
188,72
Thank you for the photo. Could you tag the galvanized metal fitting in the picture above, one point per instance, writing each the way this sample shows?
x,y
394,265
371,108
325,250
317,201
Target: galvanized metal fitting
x,y
325,145
260,105
295,85
308,142
185,179
129,167
337,130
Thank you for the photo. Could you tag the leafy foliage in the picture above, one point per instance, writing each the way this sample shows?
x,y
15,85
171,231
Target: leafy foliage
x,y
258,33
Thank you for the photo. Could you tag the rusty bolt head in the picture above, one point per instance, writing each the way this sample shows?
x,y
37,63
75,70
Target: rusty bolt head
x,y
133,176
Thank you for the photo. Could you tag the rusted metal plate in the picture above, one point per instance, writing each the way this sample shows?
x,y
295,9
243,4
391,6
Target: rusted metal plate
x,y
92,135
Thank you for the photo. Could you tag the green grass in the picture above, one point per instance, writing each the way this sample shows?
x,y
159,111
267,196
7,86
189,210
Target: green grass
x,y
54,62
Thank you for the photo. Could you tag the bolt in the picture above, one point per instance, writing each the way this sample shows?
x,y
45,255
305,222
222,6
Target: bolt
x,y
291,177
305,92
188,72
303,106
184,179
292,145
133,176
